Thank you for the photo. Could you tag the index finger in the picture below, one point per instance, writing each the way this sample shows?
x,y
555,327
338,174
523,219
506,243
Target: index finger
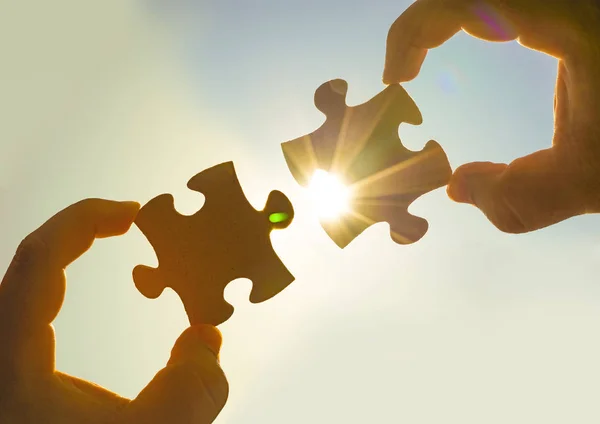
x,y
32,291
427,24
71,232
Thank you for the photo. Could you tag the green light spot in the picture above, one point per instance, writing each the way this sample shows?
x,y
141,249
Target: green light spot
x,y
278,217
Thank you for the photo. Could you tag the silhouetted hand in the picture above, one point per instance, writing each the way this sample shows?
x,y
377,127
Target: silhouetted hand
x,y
550,185
190,389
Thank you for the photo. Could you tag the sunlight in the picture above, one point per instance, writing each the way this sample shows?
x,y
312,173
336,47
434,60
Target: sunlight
x,y
330,197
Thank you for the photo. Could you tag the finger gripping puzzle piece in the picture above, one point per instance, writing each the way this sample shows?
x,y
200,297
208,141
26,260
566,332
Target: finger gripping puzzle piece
x,y
227,239
361,147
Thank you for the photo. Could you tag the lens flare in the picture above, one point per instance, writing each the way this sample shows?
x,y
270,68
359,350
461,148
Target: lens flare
x,y
329,195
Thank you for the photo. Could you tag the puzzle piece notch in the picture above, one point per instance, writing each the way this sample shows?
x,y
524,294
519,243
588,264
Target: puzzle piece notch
x,y
361,146
227,239
330,98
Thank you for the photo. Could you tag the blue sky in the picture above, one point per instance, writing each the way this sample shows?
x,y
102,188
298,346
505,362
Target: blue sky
x,y
127,100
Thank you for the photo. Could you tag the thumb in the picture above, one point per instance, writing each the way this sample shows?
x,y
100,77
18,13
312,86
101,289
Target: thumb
x,y
532,192
192,388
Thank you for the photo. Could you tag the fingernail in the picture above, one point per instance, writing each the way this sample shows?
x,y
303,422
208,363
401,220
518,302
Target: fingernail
x,y
391,73
458,189
131,207
392,68
196,342
404,65
210,336
129,204
469,180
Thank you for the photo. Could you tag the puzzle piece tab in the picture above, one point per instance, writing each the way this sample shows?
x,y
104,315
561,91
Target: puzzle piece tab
x,y
360,145
226,239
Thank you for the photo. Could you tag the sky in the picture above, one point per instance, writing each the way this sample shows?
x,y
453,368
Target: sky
x,y
129,99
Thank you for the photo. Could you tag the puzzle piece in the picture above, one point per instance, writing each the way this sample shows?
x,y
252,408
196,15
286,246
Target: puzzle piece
x,y
360,145
227,239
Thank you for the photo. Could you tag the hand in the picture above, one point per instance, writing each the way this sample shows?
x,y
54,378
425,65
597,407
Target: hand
x,y
550,185
190,389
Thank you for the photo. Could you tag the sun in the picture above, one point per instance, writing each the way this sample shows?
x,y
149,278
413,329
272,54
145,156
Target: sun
x,y
329,195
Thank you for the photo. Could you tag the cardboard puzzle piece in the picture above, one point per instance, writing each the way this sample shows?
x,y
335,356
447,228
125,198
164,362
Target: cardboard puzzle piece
x,y
226,239
361,147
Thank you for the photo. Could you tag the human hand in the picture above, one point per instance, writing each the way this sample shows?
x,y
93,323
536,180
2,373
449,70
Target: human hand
x,y
190,389
550,185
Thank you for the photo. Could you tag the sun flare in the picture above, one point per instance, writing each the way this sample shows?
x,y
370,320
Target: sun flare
x,y
329,195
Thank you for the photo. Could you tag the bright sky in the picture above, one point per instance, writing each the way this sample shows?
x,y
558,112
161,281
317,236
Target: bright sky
x,y
128,100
